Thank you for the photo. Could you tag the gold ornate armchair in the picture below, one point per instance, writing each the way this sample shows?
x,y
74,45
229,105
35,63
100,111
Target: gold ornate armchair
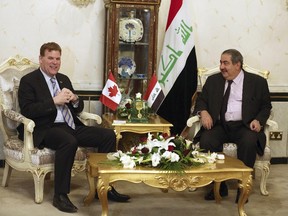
x,y
21,155
262,162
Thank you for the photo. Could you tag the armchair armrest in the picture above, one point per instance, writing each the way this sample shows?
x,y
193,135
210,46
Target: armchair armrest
x,y
194,124
85,117
272,124
17,117
192,120
28,126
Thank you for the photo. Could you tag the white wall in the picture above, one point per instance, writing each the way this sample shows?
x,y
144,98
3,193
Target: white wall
x,y
26,25
257,28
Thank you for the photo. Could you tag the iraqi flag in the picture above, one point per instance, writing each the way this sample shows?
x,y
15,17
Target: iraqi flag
x,y
177,72
154,94
111,95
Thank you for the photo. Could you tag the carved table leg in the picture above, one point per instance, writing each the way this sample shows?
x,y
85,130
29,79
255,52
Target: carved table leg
x,y
245,188
91,195
118,137
216,192
102,188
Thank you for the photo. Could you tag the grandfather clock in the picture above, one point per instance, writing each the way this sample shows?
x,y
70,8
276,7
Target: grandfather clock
x,y
131,43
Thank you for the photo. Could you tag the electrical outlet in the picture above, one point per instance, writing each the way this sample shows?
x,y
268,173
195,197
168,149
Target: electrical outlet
x,y
276,135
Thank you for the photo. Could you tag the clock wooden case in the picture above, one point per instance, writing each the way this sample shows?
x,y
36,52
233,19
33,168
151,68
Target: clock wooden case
x,y
131,43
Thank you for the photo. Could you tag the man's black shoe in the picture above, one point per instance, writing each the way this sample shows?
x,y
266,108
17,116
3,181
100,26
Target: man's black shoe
x,y
115,196
69,201
238,195
63,203
223,192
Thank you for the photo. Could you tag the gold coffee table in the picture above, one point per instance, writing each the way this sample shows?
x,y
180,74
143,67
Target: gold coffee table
x,y
155,124
104,174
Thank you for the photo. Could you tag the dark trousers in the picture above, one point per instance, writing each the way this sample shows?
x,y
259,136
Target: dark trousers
x,y
65,142
235,132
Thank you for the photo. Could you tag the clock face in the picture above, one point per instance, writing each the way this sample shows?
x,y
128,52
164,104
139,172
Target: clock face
x,y
130,30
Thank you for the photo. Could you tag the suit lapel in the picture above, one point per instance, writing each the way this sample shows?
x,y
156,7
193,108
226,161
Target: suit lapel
x,y
220,92
60,81
42,82
218,96
247,86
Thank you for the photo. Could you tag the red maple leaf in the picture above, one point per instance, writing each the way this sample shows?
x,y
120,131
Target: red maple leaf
x,y
112,91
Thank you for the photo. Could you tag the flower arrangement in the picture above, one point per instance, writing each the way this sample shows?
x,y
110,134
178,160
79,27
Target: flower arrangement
x,y
167,153
124,108
132,109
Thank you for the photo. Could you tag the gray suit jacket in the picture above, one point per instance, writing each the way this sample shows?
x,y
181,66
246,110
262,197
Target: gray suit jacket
x,y
256,102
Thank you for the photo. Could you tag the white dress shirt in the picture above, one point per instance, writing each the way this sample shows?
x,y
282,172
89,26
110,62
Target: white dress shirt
x,y
59,118
234,108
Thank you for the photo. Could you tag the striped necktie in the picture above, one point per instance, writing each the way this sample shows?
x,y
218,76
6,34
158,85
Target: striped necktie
x,y
64,109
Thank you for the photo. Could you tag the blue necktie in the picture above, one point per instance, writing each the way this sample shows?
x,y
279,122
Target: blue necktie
x,y
64,109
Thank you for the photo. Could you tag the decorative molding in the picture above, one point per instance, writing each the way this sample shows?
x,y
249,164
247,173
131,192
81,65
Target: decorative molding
x,y
81,3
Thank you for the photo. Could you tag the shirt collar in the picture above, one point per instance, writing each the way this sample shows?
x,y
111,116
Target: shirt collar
x,y
47,78
239,77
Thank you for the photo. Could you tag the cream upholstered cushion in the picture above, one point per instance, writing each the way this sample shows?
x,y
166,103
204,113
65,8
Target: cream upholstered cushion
x,y
13,148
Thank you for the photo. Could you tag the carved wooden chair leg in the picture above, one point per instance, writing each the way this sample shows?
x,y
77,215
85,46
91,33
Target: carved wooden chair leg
x,y
6,175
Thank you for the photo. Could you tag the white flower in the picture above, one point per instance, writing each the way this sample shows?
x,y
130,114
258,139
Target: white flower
x,y
118,154
199,160
149,136
174,157
161,137
166,143
140,159
212,157
128,100
195,153
152,143
127,162
139,147
210,160
166,155
138,95
155,159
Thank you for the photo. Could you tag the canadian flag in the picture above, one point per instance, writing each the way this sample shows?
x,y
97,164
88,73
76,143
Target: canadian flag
x,y
111,95
154,94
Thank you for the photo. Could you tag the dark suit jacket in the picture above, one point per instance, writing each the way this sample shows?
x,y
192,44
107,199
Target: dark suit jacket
x,y
256,102
36,103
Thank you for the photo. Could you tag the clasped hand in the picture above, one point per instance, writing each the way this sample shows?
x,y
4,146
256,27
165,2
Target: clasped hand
x,y
64,96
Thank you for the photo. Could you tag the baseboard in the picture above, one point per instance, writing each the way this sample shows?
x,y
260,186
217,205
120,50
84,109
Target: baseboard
x,y
2,162
282,160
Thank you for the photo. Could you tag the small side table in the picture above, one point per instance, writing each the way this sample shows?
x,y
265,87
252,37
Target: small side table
x,y
155,124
